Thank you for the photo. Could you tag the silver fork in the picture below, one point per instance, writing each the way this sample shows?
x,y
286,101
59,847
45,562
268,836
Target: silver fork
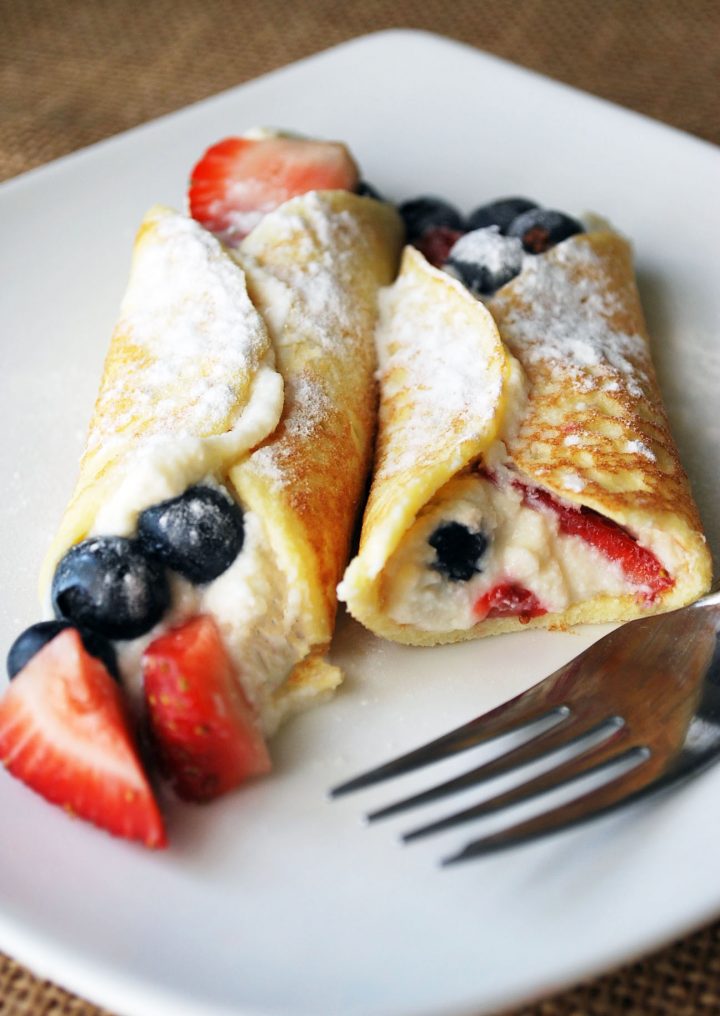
x,y
648,697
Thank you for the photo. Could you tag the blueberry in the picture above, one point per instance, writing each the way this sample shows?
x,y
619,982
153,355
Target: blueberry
x,y
541,228
484,260
459,551
422,214
499,213
199,533
366,190
108,584
32,640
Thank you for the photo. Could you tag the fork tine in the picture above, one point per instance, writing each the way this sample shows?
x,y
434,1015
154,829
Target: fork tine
x,y
515,715
591,762
564,734
627,787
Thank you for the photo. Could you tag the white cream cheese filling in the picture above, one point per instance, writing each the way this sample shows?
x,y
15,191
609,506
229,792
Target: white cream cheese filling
x,y
254,603
525,547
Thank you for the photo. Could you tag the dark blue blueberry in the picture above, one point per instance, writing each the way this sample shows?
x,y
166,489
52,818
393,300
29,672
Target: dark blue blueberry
x,y
458,550
199,533
366,190
422,214
541,228
32,640
499,213
484,260
108,584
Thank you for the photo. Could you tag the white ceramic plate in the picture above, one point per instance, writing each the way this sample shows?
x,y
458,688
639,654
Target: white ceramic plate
x,y
276,900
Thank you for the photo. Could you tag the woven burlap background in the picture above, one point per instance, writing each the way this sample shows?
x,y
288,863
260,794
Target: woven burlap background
x,y
75,71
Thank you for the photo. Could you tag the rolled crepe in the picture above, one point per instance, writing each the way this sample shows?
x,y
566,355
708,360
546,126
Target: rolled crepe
x,y
525,472
189,383
192,387
314,270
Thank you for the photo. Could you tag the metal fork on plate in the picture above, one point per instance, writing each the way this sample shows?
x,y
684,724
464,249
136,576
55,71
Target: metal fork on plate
x,y
644,699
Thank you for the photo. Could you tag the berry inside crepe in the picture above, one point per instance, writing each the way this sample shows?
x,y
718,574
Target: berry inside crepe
x,y
525,473
197,561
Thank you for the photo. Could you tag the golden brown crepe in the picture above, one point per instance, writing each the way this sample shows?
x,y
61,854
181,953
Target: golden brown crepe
x,y
568,433
194,381
189,381
314,269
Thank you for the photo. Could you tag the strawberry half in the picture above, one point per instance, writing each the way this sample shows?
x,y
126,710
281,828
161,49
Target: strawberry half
x,y
64,732
239,180
204,731
639,564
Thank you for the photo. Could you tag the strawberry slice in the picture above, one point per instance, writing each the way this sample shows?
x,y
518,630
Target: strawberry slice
x,y
639,564
204,731
508,599
239,180
64,732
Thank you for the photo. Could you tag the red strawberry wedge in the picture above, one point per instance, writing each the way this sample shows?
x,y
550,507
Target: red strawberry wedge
x,y
239,180
205,733
64,732
639,564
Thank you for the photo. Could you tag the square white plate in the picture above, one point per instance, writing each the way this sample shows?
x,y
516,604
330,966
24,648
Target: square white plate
x,y
276,900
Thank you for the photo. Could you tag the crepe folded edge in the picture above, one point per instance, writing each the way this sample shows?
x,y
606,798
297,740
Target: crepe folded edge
x,y
411,467
629,473
626,458
355,241
127,417
307,478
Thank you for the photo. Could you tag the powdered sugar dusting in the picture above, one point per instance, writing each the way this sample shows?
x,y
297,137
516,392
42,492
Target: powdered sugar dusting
x,y
313,251
501,257
435,351
190,343
640,448
565,315
307,405
573,482
308,265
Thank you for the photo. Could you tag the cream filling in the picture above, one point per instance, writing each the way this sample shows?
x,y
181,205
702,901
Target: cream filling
x,y
166,466
254,602
524,547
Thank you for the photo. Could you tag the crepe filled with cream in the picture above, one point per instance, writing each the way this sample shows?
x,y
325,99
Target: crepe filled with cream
x,y
189,383
248,373
525,474
314,268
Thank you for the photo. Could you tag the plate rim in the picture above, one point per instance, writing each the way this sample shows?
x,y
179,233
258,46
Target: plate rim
x,y
45,955
410,34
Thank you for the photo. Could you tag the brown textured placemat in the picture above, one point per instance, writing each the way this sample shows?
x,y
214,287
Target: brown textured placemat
x,y
75,71
682,980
